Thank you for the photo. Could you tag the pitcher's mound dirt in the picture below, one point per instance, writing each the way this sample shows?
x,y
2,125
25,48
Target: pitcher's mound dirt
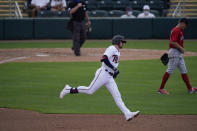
x,y
66,54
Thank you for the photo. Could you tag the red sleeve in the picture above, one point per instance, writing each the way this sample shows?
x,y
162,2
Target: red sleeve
x,y
175,35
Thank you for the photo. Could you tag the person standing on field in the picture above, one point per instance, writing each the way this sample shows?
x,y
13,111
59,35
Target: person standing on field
x,y
105,75
176,49
78,12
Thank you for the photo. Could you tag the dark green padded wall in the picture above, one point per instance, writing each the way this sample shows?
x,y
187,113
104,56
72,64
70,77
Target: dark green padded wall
x,y
18,29
101,28
1,29
133,28
161,28
51,29
191,31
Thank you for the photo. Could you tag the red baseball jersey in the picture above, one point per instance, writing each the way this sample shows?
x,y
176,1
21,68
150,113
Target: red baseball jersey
x,y
176,36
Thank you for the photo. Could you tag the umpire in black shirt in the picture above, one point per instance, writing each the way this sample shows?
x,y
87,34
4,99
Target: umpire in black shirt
x,y
78,12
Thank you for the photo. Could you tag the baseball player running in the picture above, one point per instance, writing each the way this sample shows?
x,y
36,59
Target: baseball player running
x,y
176,49
105,76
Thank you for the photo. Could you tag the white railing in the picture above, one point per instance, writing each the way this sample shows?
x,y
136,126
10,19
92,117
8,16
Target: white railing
x,y
10,8
180,9
17,11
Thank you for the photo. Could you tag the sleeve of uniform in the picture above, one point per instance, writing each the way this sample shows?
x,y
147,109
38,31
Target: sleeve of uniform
x,y
109,52
175,35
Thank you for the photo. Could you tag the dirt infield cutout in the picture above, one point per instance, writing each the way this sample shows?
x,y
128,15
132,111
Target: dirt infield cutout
x,y
23,120
67,55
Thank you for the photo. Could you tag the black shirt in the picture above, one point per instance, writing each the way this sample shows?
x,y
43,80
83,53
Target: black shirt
x,y
79,15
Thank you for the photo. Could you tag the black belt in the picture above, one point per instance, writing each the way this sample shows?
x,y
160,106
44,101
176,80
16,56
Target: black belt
x,y
110,73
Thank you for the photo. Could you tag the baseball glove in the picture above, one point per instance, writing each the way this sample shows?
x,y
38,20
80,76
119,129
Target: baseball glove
x,y
164,59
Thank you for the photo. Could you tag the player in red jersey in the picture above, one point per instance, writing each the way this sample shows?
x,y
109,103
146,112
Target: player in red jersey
x,y
176,49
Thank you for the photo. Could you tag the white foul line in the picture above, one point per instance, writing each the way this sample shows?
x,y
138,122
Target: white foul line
x,y
12,59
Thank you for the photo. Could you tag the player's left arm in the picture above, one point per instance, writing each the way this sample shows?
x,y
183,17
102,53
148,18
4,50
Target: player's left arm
x,y
107,62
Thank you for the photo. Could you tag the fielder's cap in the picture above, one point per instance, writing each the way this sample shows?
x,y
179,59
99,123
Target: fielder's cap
x,y
183,20
146,7
117,39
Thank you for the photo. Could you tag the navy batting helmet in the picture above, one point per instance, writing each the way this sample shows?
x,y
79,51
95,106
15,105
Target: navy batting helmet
x,y
117,39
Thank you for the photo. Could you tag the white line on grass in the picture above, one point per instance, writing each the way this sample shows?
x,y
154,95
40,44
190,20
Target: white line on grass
x,y
12,59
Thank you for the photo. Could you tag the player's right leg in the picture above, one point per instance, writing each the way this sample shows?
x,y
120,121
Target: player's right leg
x,y
164,80
76,37
173,62
113,89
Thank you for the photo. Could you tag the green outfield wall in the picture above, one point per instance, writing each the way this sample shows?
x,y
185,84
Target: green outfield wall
x,y
158,28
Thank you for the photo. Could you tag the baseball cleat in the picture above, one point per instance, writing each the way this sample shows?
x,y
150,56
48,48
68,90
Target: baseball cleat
x,y
65,91
163,92
192,90
132,115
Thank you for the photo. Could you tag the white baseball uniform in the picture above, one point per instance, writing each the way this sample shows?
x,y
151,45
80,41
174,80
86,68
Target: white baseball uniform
x,y
103,77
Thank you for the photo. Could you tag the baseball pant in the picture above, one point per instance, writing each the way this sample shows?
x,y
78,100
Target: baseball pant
x,y
78,35
176,60
104,78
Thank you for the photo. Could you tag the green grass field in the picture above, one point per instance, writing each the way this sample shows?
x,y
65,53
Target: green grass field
x,y
36,86
190,45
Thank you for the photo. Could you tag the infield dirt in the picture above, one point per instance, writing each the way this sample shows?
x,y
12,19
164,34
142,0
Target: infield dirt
x,y
23,120
66,54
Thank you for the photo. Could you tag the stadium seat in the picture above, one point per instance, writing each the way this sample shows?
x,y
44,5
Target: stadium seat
x,y
136,12
61,14
45,13
164,12
155,12
120,4
155,4
92,4
116,13
137,4
98,13
105,4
